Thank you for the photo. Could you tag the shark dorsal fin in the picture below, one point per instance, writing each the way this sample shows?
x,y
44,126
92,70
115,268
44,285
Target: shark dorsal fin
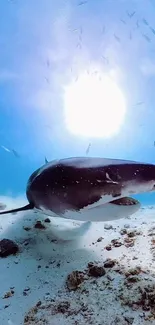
x,y
46,161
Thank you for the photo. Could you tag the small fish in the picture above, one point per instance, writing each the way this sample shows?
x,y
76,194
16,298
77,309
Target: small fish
x,y
117,38
48,126
79,46
103,29
10,150
80,38
152,30
46,161
88,148
130,36
48,63
15,153
139,103
145,21
6,149
105,59
95,72
82,3
123,21
47,80
74,29
81,30
146,38
131,14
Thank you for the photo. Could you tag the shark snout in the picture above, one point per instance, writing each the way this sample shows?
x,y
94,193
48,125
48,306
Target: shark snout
x,y
148,186
153,186
136,187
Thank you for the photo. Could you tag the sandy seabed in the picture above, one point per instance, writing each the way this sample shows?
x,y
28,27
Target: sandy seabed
x,y
106,276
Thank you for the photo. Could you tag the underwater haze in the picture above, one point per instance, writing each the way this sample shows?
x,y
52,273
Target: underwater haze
x,y
77,79
50,46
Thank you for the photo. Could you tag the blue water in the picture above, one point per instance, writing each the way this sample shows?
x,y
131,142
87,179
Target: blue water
x,y
38,48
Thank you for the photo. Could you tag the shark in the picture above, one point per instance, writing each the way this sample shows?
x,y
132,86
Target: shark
x,y
88,188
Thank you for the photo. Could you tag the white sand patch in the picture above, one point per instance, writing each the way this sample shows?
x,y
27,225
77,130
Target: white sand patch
x,y
39,271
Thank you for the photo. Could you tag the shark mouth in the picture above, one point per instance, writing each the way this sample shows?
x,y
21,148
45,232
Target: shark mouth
x,y
125,201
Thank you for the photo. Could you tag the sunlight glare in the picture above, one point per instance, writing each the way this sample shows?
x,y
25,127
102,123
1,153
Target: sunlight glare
x,y
94,106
